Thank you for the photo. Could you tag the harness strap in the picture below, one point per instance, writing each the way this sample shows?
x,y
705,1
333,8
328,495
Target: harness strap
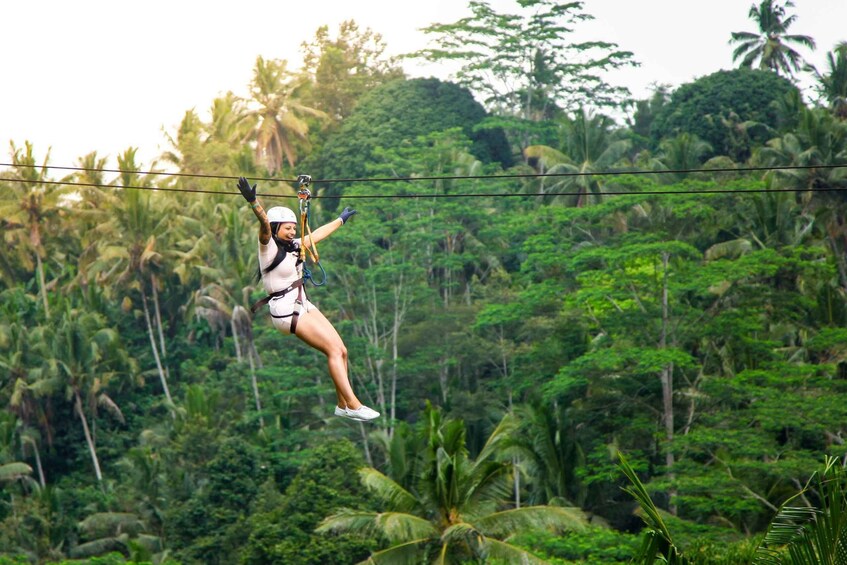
x,y
297,284
295,315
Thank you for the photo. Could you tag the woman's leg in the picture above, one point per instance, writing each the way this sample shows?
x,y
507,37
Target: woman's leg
x,y
314,329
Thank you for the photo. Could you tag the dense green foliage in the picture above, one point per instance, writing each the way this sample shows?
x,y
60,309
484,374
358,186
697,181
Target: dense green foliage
x,y
397,113
731,110
517,332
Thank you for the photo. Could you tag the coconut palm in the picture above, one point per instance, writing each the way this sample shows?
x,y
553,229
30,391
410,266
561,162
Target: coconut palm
x,y
684,152
589,145
128,253
832,86
17,357
280,125
770,46
456,511
26,210
11,469
80,355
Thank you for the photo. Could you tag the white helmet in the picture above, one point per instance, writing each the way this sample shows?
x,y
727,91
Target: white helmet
x,y
281,214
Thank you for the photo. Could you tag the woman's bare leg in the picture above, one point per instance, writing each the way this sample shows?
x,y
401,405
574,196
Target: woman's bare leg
x,y
314,329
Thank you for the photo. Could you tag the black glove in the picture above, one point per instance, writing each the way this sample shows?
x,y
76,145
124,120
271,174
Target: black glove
x,y
345,214
247,191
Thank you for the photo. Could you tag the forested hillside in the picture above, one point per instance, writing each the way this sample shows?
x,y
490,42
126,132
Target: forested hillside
x,y
543,274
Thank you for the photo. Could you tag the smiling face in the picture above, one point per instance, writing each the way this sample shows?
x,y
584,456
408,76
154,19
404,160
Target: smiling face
x,y
287,231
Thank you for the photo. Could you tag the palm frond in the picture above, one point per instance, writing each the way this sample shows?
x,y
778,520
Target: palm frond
x,y
357,523
101,524
733,249
14,471
811,535
508,522
409,553
396,527
658,543
510,553
388,490
99,547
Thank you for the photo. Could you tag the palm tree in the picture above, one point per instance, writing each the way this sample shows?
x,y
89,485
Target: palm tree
x,y
456,510
832,86
127,253
812,533
279,122
18,356
684,152
81,355
220,145
547,452
770,45
26,211
589,145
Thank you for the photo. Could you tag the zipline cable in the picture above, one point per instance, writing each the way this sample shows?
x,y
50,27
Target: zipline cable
x,y
453,177
457,195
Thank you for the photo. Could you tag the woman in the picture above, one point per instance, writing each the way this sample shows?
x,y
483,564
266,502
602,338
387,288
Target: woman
x,y
281,266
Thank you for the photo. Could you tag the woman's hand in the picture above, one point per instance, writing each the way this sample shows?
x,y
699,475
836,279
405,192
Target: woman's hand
x,y
247,191
345,214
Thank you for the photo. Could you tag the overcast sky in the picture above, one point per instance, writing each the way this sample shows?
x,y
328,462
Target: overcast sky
x,y
105,75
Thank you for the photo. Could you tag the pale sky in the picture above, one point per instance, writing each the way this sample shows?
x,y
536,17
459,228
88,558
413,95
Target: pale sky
x,y
105,75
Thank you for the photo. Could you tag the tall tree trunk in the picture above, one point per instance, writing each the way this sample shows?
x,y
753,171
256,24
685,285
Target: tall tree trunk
x,y
366,445
39,267
162,377
234,328
29,440
158,312
41,479
255,384
667,384
516,466
88,438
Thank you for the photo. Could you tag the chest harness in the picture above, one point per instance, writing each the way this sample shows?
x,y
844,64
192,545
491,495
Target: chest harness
x,y
304,196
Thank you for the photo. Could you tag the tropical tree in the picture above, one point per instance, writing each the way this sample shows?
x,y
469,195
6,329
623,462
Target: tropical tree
x,y
524,65
832,86
126,253
224,276
280,125
456,511
818,143
771,44
684,152
733,111
344,68
26,210
81,355
589,146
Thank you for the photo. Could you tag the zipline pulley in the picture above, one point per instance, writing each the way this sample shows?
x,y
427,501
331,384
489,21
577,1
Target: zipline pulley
x,y
304,196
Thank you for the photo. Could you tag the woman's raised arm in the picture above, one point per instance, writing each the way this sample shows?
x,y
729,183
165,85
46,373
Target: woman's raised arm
x,y
249,194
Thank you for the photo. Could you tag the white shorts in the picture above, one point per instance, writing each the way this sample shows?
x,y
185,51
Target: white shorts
x,y
282,309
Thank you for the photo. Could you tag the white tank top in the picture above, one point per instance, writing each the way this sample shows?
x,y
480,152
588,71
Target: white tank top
x,y
284,274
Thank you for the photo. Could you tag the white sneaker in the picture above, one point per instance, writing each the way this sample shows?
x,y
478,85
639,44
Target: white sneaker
x,y
362,413
339,411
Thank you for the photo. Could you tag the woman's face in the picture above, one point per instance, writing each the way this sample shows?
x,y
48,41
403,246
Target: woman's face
x,y
287,231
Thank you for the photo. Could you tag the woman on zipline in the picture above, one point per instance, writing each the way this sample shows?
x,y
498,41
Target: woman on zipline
x,y
281,267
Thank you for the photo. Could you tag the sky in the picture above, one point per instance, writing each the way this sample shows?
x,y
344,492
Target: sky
x,y
106,75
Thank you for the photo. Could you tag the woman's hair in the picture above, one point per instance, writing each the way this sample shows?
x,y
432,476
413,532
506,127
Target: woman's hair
x,y
282,248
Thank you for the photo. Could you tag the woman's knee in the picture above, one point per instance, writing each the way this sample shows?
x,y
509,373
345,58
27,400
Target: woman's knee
x,y
338,350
